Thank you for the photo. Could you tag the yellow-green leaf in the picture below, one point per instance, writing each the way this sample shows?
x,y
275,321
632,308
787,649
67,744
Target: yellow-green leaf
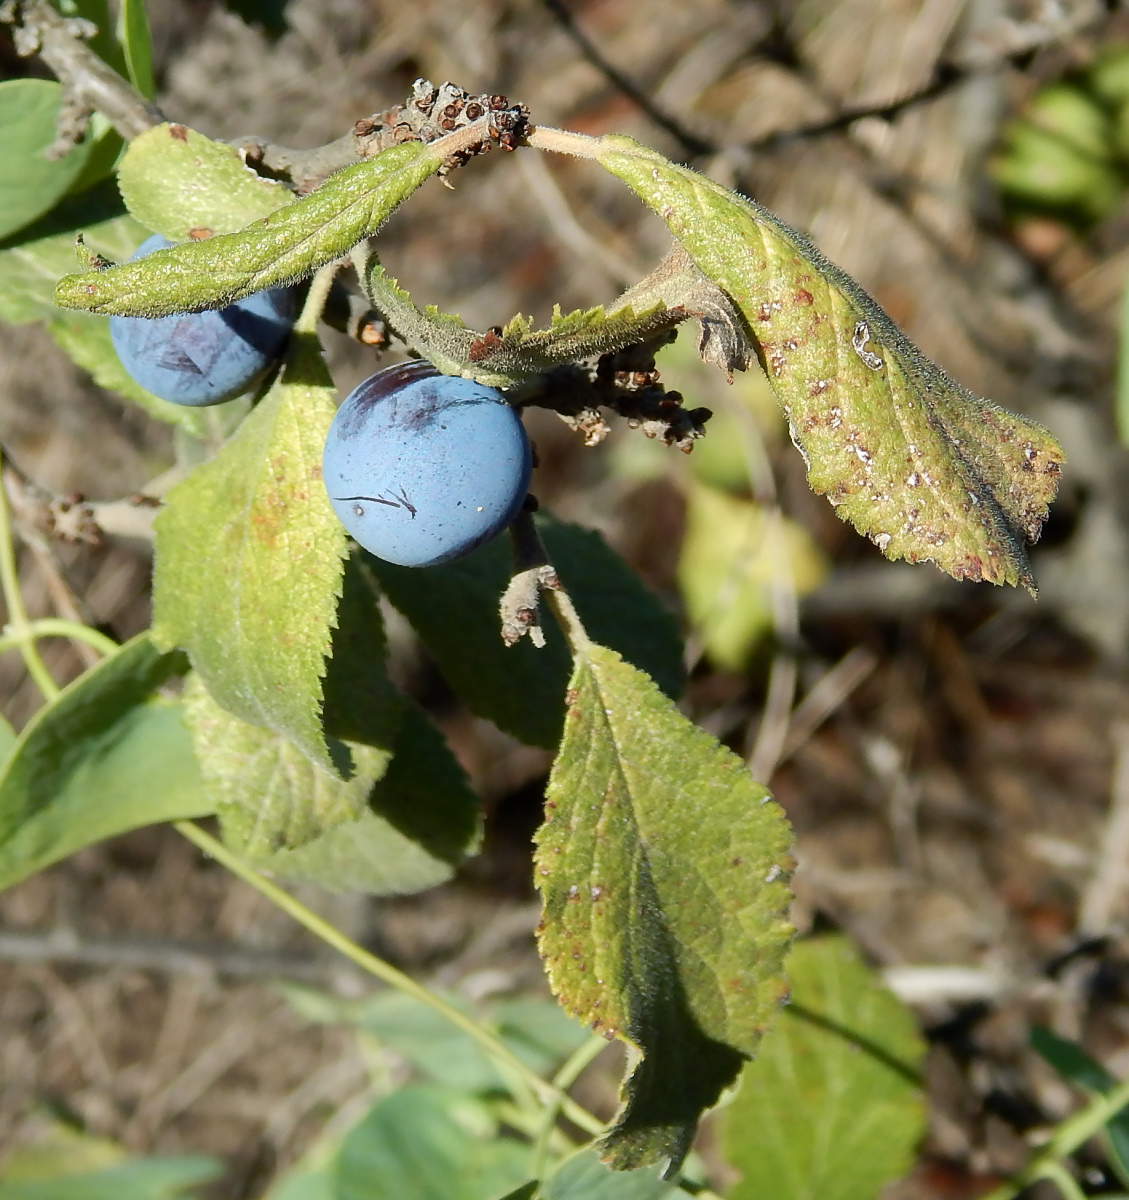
x,y
183,185
249,560
832,1108
924,468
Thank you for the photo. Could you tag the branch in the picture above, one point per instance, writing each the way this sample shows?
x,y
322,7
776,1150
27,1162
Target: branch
x,y
88,82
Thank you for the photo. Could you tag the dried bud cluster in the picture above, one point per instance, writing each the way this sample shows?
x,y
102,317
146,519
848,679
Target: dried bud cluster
x,y
433,112
628,383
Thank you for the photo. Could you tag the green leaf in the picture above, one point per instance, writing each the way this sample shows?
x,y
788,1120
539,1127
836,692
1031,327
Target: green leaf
x,y
106,756
734,554
386,830
281,248
1076,1066
7,739
85,339
425,1144
138,1179
267,793
31,183
32,260
663,870
527,1191
454,608
832,1108
583,1176
183,185
133,33
248,562
521,352
914,461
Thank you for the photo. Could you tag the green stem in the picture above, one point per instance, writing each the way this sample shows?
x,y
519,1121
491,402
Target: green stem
x,y
526,1080
57,627
18,623
1068,1137
570,1071
1063,1180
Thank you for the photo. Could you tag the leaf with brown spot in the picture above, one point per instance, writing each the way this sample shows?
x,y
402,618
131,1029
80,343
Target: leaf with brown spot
x,y
928,471
249,560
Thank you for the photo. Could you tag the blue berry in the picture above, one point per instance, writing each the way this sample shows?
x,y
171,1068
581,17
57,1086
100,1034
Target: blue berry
x,y
207,357
422,468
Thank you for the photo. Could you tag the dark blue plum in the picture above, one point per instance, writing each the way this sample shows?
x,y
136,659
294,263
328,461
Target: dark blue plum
x,y
207,357
422,467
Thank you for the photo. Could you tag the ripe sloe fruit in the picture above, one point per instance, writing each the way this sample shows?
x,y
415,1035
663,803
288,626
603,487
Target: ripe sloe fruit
x,y
206,357
422,468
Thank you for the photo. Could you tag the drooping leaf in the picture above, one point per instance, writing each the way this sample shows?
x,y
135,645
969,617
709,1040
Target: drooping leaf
x,y
106,756
921,466
133,33
1076,1066
420,1144
734,554
582,1176
663,871
280,248
832,1107
454,608
249,560
31,183
183,185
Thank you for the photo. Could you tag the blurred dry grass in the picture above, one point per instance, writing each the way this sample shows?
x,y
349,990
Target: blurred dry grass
x,y
959,804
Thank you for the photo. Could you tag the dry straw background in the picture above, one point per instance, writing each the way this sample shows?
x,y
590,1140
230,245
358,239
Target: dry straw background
x,y
959,777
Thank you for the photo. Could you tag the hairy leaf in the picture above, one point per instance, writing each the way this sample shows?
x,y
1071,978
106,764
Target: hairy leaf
x,y
520,352
454,609
924,468
663,871
183,185
281,248
248,560
416,1143
106,756
31,183
832,1107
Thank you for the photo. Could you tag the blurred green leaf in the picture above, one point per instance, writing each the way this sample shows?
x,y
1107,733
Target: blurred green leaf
x,y
183,185
663,871
66,1164
1108,78
734,554
454,609
832,1108
106,756
583,1176
137,45
7,739
921,466
286,246
249,564
1078,1068
31,183
427,1144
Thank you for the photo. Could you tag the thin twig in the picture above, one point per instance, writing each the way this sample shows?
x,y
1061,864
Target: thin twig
x,y
1107,887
